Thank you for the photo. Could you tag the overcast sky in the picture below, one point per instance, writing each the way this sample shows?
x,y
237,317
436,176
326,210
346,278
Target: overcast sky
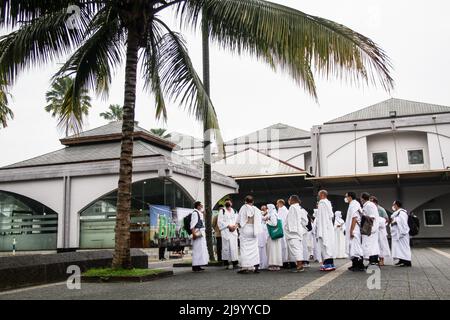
x,y
248,96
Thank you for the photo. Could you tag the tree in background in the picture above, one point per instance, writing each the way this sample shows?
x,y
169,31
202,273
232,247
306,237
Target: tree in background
x,y
70,112
115,113
160,133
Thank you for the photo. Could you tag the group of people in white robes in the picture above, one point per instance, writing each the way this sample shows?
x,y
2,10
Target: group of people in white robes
x,y
323,237
370,242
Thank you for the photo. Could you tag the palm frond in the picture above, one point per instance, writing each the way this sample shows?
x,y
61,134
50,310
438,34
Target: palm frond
x,y
5,112
294,41
18,12
93,63
60,104
151,67
35,44
181,82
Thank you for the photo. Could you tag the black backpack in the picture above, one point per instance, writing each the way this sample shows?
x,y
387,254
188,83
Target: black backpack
x,y
414,224
187,223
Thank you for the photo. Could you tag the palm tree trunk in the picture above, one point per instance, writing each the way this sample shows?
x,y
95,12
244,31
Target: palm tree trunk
x,y
122,258
207,147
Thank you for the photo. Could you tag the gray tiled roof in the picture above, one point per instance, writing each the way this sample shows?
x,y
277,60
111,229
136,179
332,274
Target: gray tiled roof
x,y
110,128
84,153
275,132
185,141
250,162
403,108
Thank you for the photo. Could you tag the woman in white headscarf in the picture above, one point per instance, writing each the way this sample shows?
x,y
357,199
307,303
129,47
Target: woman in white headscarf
x,y
339,225
274,253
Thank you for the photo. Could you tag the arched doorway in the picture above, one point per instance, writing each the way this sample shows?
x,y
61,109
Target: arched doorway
x,y
27,223
157,206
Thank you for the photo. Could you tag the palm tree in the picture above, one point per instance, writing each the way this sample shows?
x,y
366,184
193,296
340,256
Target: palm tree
x,y
5,112
115,113
161,133
70,115
290,40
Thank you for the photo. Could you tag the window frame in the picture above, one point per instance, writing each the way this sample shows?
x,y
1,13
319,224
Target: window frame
x,y
433,225
423,157
373,160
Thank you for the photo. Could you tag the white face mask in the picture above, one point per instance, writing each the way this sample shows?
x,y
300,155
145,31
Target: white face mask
x,y
345,200
394,208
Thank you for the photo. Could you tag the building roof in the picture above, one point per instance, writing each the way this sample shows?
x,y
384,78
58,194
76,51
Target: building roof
x,y
113,132
251,163
185,141
89,153
276,132
402,108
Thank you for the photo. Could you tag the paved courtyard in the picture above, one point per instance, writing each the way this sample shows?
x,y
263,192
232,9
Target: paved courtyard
x,y
429,278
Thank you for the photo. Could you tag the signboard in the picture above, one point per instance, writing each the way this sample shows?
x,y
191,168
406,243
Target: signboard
x,y
166,227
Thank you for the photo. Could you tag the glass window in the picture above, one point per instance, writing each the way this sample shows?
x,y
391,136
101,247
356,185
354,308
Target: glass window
x,y
415,157
380,159
433,217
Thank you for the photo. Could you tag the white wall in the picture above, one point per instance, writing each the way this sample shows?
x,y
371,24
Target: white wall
x,y
48,192
338,154
337,150
404,141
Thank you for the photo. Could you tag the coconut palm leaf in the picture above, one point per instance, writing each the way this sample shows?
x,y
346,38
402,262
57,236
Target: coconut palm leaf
x,y
292,40
36,43
5,112
60,104
181,82
115,113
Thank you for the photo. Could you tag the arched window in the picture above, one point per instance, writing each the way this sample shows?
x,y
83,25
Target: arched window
x,y
25,222
97,221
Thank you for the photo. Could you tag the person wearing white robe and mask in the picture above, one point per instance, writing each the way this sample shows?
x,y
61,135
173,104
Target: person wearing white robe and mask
x,y
200,255
227,222
401,249
353,246
339,226
249,228
282,214
275,259
325,232
383,219
295,229
370,243
263,237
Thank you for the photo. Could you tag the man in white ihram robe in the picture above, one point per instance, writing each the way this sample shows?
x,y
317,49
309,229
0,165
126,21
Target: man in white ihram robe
x,y
249,228
339,226
400,235
282,214
227,222
325,232
353,246
295,229
200,255
385,251
370,244
275,259
315,240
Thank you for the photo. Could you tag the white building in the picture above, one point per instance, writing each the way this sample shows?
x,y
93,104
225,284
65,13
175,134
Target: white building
x,y
66,199
395,149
